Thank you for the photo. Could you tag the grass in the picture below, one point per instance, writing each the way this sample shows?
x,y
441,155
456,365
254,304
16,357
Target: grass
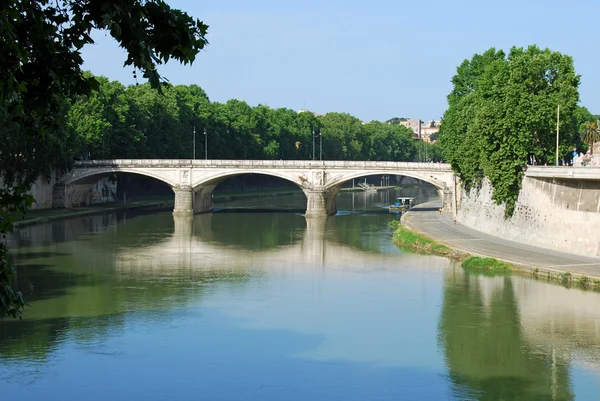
x,y
417,242
486,264
412,241
405,238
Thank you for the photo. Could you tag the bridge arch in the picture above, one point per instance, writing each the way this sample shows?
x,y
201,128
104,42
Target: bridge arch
x,y
337,184
75,189
204,185
86,176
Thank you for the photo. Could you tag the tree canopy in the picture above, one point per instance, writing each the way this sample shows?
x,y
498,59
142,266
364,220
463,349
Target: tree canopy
x,y
137,122
502,110
41,43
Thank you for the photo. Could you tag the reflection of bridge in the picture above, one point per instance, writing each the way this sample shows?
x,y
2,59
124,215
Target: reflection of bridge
x,y
193,246
194,180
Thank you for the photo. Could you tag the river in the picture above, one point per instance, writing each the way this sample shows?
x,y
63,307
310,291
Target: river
x,y
250,304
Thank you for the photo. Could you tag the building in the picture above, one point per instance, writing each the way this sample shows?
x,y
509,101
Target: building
x,y
421,129
308,111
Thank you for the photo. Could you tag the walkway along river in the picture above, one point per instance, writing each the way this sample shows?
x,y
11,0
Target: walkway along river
x,y
265,306
426,219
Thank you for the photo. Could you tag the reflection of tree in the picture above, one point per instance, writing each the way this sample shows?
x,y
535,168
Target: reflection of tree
x,y
90,312
486,354
363,234
255,231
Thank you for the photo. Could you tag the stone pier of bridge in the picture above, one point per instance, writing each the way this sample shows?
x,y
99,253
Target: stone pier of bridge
x,y
319,202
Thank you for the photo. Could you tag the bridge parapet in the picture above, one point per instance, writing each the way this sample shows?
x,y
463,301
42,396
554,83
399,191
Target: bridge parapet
x,y
575,173
290,164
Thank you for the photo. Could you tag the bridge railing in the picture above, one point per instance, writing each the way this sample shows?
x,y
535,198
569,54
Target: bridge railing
x,y
569,172
202,163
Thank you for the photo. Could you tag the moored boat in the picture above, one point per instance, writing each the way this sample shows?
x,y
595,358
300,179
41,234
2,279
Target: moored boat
x,y
401,204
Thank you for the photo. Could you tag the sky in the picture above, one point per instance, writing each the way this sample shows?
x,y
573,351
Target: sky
x,y
373,59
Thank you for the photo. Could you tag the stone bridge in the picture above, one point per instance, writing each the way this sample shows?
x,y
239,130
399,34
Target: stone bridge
x,y
194,180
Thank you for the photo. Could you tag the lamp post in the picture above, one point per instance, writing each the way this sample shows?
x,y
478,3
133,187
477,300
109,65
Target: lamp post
x,y
558,131
313,133
205,145
320,146
194,144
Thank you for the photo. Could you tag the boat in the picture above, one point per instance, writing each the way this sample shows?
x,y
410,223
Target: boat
x,y
401,204
367,187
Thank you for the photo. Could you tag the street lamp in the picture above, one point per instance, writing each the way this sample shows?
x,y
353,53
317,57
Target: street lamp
x,y
205,145
313,133
320,146
194,144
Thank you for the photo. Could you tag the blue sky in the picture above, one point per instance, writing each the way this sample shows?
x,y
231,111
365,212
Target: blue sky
x,y
373,59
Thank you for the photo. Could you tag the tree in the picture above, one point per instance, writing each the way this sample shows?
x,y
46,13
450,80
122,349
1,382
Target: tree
x,y
502,110
396,120
41,63
591,134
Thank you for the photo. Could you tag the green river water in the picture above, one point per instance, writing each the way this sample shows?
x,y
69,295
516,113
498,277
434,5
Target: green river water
x,y
262,304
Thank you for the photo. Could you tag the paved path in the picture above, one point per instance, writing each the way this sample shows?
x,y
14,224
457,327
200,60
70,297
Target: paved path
x,y
426,219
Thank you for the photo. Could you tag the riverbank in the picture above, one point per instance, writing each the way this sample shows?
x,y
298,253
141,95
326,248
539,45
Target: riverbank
x,y
413,241
427,220
221,197
37,216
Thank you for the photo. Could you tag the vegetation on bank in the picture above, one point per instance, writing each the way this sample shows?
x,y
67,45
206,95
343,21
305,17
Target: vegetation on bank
x,y
408,239
413,241
486,264
405,238
502,115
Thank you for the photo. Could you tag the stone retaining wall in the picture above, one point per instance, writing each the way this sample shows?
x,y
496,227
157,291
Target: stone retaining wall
x,y
558,214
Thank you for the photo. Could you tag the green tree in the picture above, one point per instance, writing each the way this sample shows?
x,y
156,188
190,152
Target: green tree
x,y
591,134
502,110
343,136
41,63
396,120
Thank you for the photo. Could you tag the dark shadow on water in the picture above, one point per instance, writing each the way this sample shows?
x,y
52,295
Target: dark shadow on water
x,y
25,255
38,281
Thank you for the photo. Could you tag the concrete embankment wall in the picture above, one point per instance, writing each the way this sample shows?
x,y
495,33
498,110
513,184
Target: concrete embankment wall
x,y
562,215
41,190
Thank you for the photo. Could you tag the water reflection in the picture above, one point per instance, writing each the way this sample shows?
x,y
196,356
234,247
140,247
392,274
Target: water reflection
x,y
262,302
488,353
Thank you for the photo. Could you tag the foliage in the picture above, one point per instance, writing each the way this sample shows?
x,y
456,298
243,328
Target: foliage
x,y
396,120
591,134
41,63
15,202
428,152
406,238
583,281
502,110
119,122
486,264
